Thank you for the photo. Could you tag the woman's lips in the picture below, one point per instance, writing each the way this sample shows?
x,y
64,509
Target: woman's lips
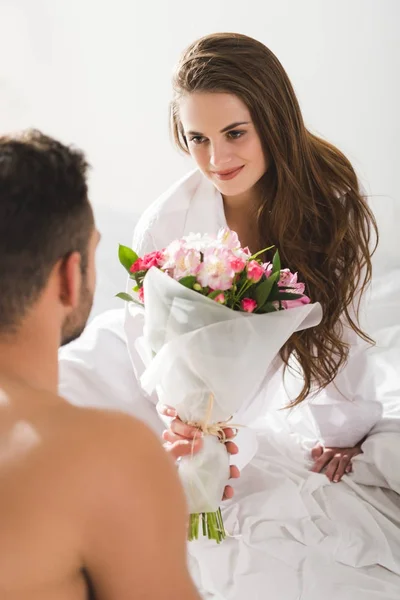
x,y
229,174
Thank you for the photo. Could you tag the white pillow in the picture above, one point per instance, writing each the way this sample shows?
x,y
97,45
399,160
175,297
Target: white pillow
x,y
116,227
387,214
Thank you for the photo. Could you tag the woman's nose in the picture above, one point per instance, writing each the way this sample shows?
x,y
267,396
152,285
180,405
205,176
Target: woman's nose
x,y
220,156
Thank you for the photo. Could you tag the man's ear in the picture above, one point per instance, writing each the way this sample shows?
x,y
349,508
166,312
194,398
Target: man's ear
x,y
70,280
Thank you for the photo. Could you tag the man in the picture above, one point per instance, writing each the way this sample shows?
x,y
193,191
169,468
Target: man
x,y
90,503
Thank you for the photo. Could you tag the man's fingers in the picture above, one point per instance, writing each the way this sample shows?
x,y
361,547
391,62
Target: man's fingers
x,y
183,448
234,472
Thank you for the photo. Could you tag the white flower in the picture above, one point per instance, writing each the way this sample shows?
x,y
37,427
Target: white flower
x,y
198,241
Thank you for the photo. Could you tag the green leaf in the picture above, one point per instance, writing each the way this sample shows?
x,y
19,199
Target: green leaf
x,y
263,290
288,296
214,294
260,252
188,281
267,308
128,298
276,263
126,257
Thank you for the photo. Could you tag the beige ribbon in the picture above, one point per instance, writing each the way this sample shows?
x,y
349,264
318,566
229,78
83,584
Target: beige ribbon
x,y
216,429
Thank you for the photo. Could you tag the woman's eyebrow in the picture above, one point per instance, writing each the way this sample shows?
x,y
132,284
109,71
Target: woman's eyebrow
x,y
227,128
233,125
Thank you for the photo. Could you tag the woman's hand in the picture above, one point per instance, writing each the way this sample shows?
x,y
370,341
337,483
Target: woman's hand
x,y
182,440
335,461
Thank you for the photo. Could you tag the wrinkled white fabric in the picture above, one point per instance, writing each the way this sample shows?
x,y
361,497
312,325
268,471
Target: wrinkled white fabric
x,y
293,534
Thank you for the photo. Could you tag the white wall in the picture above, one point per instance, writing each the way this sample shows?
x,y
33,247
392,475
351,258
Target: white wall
x,y
97,73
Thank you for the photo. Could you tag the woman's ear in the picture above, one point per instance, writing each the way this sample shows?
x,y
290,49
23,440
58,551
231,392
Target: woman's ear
x,y
70,280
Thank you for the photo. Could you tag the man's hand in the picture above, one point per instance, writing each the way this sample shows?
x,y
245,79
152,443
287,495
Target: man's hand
x,y
182,440
335,461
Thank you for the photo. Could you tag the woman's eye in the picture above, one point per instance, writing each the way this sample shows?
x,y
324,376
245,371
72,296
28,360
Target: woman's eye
x,y
235,134
197,139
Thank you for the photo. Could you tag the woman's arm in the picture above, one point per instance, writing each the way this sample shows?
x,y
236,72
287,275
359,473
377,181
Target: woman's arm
x,y
348,408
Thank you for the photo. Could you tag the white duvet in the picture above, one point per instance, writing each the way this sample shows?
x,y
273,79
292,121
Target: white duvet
x,y
294,535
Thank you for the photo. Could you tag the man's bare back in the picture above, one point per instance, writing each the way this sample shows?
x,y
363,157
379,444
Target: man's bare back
x,y
90,502
76,487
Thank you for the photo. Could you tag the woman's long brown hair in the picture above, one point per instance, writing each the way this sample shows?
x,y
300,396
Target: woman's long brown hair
x,y
312,209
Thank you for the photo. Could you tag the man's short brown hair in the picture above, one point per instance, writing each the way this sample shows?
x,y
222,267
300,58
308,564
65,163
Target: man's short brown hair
x,y
45,215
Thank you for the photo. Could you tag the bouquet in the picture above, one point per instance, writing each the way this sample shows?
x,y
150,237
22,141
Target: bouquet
x,y
215,318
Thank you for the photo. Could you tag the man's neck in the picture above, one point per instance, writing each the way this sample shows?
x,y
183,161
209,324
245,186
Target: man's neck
x,y
31,356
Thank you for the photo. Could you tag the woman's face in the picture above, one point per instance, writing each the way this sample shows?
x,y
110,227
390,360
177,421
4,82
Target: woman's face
x,y
223,141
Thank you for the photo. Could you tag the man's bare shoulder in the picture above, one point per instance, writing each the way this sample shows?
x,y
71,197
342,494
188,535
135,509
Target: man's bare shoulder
x,y
134,507
101,485
91,423
109,438
76,445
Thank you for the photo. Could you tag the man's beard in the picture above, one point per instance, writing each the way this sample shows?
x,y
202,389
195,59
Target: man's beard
x,y
75,323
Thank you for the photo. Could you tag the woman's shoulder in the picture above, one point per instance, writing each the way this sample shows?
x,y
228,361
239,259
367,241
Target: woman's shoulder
x,y
165,218
175,199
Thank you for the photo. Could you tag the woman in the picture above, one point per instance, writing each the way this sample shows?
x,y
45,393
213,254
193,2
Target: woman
x,y
264,175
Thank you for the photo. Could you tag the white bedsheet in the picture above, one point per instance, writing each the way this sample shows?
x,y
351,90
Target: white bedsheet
x,y
294,535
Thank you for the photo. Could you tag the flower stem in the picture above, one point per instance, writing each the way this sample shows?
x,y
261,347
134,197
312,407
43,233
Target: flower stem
x,y
212,526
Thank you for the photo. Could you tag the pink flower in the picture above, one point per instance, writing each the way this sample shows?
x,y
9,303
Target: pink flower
x,y
172,253
182,261
248,305
254,271
287,278
238,264
137,266
141,295
294,303
153,259
297,288
220,298
228,238
268,267
188,263
215,271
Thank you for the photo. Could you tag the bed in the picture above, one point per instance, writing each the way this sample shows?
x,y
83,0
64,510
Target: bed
x,y
292,534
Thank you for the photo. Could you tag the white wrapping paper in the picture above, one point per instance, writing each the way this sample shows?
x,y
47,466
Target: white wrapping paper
x,y
196,349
